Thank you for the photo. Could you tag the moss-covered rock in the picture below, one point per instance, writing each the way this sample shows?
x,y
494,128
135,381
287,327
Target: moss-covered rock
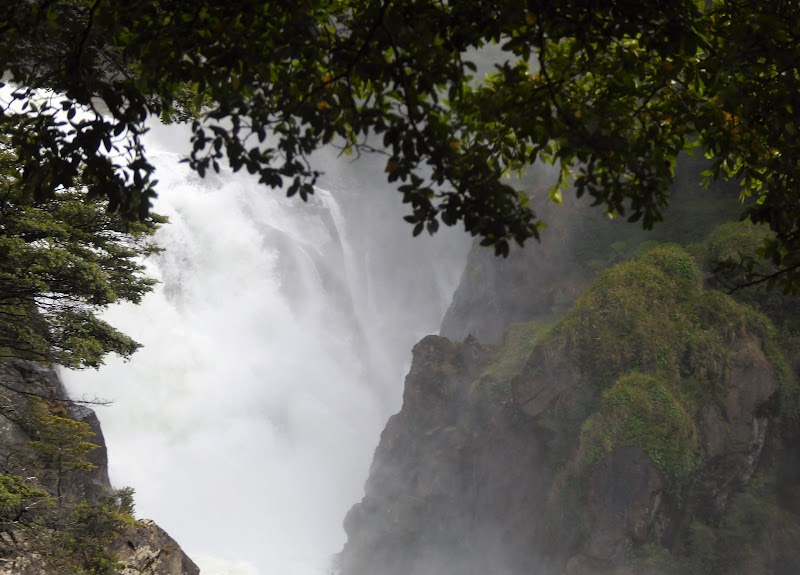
x,y
642,411
651,315
58,511
494,384
611,442
687,376
732,262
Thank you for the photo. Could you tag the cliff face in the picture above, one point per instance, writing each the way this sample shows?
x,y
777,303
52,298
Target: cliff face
x,y
652,430
450,490
58,511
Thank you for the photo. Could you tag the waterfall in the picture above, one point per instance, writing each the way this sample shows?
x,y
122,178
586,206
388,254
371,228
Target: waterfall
x,y
274,350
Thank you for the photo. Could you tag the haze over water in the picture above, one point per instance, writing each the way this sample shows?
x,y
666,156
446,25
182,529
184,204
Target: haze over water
x,y
274,350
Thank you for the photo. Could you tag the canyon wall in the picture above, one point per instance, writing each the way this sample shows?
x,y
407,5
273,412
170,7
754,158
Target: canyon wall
x,y
58,510
624,416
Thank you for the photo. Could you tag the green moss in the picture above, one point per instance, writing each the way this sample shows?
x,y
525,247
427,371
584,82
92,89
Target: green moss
x,y
510,357
730,241
789,392
651,315
657,346
640,315
653,559
731,257
754,535
677,264
732,317
753,526
642,411
727,246
518,342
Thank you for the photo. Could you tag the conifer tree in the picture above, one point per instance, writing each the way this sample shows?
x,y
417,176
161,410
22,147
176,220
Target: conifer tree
x,y
62,260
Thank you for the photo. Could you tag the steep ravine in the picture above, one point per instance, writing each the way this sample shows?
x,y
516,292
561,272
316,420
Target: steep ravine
x,y
58,510
650,429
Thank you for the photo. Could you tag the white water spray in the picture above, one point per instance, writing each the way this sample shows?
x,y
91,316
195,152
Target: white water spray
x,y
275,348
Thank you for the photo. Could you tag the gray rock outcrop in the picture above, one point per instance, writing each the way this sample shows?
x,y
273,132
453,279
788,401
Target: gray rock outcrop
x,y
30,541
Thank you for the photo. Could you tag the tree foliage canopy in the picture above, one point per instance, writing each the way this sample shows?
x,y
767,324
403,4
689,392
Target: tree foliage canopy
x,y
63,259
610,92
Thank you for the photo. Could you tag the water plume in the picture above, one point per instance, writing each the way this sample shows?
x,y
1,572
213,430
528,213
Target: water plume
x,y
275,347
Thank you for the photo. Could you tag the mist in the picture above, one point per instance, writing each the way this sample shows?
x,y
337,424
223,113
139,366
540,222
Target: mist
x,y
274,350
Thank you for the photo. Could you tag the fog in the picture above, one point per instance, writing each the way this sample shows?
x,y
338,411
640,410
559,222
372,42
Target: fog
x,y
274,351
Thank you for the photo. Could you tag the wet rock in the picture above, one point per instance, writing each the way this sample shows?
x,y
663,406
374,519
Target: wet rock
x,y
625,494
146,549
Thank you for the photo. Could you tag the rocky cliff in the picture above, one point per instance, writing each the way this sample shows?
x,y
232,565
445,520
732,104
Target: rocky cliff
x,y
58,510
652,429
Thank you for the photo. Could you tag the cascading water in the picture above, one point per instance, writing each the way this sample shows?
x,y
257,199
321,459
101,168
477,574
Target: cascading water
x,y
275,347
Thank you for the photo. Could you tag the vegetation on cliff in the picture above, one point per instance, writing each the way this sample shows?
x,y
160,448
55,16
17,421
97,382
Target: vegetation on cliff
x,y
660,438
657,348
73,538
652,315
610,94
518,342
641,411
756,534
39,523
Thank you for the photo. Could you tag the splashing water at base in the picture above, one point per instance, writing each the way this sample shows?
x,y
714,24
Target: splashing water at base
x,y
274,351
